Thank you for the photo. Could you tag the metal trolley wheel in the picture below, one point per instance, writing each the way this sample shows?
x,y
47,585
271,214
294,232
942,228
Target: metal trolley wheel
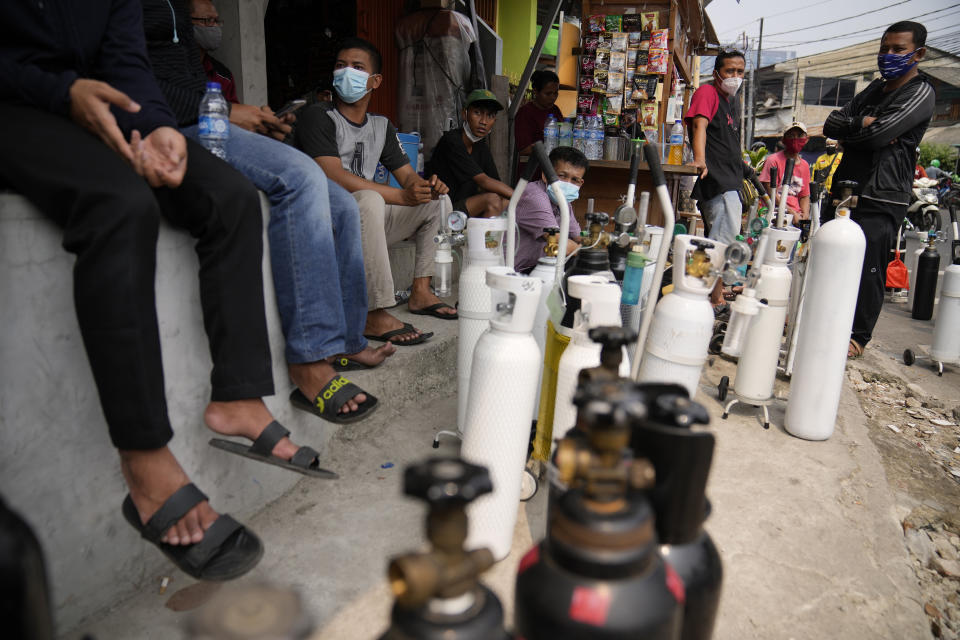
x,y
908,357
722,388
528,485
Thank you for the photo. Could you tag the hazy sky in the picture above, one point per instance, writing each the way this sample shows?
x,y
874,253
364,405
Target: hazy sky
x,y
832,22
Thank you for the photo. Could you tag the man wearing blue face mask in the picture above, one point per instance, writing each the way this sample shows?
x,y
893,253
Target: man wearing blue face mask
x,y
880,130
537,209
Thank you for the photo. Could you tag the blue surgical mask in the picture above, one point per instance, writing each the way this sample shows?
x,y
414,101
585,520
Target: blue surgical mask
x,y
893,65
350,84
570,191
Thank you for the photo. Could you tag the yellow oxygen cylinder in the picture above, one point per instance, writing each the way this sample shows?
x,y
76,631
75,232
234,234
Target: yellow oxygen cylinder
x,y
556,344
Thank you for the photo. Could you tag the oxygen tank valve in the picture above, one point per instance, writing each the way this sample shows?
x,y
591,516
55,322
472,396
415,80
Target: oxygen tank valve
x,y
847,187
447,571
552,250
612,339
598,238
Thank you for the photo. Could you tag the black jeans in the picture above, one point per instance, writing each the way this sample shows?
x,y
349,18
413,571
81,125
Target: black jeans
x,y
880,231
110,218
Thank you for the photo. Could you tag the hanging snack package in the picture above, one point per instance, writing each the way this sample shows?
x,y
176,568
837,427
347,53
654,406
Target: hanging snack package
x,y
631,58
650,20
628,118
632,23
602,61
614,104
586,104
657,61
659,38
642,60
595,23
614,83
614,24
590,45
599,81
587,64
633,39
648,114
618,42
586,84
618,61
611,120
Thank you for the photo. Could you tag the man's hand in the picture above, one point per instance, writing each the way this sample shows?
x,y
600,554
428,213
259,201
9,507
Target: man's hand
x,y
417,192
437,187
161,157
867,121
701,165
258,120
90,102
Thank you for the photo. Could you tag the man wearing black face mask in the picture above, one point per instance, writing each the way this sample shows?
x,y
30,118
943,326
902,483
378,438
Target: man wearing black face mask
x,y
208,32
880,130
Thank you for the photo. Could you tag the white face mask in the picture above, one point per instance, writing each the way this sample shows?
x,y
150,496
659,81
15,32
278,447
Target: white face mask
x,y
731,85
469,132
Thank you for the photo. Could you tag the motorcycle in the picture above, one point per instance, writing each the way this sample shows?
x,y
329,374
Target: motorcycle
x,y
924,209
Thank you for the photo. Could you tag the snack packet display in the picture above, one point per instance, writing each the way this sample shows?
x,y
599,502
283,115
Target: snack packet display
x,y
602,60
595,23
657,61
587,64
611,120
587,104
632,23
600,81
590,45
586,84
614,83
648,115
618,42
659,38
631,58
634,38
614,104
642,60
650,20
618,61
614,23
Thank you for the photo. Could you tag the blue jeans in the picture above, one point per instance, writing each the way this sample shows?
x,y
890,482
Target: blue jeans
x,y
315,251
725,214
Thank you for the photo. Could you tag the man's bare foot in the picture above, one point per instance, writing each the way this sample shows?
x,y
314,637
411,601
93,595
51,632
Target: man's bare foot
x,y
311,377
247,419
422,297
371,356
152,477
380,322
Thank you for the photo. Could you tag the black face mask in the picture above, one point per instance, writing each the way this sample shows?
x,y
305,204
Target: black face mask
x,y
831,150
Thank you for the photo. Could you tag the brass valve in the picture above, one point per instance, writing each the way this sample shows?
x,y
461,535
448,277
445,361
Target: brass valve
x,y
552,250
598,238
699,265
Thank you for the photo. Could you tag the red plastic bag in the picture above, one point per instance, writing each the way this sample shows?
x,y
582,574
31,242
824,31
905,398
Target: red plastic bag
x,y
897,274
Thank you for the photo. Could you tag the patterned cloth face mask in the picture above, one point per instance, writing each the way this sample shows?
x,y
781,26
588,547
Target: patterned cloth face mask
x,y
893,65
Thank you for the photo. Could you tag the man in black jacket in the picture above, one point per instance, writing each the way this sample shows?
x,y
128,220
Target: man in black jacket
x,y
880,130
89,139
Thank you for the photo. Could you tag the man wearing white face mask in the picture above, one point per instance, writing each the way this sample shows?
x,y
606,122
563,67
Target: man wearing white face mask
x,y
347,143
714,128
538,210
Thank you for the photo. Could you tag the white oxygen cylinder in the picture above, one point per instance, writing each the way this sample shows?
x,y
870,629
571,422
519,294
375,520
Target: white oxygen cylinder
x,y
757,366
475,308
544,271
946,330
504,376
833,283
682,326
599,307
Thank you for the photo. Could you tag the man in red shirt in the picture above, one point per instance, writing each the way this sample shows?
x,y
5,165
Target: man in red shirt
x,y
714,128
798,193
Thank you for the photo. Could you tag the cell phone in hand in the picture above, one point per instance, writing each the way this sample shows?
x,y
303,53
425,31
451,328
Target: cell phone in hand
x,y
290,107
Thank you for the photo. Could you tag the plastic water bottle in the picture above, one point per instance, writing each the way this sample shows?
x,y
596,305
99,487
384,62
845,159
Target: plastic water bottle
x,y
213,125
420,160
598,138
589,132
676,144
551,134
579,135
566,133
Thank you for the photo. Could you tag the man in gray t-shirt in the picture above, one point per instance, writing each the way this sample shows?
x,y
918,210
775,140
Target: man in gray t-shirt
x,y
347,143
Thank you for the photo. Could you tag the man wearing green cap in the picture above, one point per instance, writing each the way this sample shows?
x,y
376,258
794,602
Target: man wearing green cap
x,y
463,161
934,171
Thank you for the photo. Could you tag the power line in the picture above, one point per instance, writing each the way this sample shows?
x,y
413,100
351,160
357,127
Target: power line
x,y
779,14
841,19
929,31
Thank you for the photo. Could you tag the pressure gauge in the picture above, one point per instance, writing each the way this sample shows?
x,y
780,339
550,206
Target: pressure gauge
x,y
456,221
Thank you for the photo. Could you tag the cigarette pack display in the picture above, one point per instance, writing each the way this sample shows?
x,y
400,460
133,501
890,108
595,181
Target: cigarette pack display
x,y
614,83
657,61
658,38
596,23
614,23
618,61
618,42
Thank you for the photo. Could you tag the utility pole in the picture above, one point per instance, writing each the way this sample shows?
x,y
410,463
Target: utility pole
x,y
753,79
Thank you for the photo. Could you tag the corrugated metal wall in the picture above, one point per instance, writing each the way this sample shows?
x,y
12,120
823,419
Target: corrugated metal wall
x,y
376,20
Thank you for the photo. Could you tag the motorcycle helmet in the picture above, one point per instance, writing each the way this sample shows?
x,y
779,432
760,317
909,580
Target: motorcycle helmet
x,y
935,163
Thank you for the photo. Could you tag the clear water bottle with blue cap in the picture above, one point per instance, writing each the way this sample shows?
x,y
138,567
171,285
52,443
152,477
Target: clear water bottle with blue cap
x,y
213,125
551,134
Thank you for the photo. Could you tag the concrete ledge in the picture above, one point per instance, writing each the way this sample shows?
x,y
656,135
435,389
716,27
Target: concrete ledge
x,y
57,466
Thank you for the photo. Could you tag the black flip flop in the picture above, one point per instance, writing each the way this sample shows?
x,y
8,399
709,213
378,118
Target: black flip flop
x,y
228,549
332,396
406,328
434,310
306,460
343,364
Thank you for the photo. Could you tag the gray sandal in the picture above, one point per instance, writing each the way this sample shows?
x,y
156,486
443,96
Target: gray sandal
x,y
306,460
